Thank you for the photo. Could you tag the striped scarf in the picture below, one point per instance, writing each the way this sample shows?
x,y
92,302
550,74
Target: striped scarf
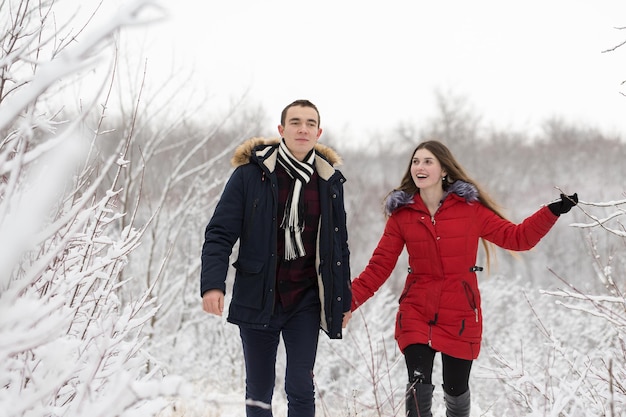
x,y
293,220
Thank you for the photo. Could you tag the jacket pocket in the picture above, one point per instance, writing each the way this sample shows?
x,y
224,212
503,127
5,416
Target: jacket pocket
x,y
250,219
471,299
406,290
249,286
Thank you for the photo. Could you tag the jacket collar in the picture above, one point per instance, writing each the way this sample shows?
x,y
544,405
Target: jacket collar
x,y
461,189
264,151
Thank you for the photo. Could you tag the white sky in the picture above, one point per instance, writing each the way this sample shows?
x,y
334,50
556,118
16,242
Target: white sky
x,y
369,66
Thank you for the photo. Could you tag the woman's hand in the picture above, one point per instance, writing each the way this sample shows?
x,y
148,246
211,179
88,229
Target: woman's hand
x,y
346,318
563,205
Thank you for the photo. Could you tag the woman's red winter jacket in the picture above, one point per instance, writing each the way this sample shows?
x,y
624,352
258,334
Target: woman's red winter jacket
x,y
440,304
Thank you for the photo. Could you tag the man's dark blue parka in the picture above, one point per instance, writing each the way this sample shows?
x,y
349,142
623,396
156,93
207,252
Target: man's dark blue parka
x,y
247,211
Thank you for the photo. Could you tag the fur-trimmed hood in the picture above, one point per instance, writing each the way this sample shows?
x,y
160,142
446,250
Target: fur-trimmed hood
x,y
243,153
397,199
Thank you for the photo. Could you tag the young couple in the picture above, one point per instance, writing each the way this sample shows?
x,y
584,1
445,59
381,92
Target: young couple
x,y
284,203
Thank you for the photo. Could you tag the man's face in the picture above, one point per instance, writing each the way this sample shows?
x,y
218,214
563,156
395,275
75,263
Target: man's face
x,y
301,130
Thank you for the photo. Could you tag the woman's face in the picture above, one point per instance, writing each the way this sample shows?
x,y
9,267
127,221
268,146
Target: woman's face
x,y
426,170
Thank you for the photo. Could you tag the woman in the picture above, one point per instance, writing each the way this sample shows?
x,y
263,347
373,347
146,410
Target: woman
x,y
440,214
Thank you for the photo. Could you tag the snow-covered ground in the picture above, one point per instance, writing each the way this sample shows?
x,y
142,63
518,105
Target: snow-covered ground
x,y
101,220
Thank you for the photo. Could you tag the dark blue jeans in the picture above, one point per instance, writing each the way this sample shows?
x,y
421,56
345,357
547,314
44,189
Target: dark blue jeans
x,y
300,330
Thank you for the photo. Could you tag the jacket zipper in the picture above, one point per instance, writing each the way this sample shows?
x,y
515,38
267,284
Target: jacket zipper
x,y
432,217
430,336
430,329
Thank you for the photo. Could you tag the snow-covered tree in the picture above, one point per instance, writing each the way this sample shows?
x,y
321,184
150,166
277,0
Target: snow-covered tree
x,y
68,345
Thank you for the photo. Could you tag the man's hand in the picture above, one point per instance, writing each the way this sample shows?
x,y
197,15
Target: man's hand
x,y
213,302
346,318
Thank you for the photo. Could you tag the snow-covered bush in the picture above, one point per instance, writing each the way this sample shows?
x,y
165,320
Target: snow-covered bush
x,y
68,345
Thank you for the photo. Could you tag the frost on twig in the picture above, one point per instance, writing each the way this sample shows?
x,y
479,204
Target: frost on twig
x,y
619,210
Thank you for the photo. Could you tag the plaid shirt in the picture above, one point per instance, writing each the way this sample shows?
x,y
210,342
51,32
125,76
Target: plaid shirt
x,y
294,277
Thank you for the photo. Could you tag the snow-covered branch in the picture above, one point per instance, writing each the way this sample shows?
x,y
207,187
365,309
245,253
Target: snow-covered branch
x,y
75,58
603,221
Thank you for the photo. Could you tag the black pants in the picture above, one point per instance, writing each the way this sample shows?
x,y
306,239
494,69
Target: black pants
x,y
419,364
299,329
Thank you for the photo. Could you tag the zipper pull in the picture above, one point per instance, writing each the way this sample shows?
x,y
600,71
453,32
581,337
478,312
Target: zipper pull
x,y
476,312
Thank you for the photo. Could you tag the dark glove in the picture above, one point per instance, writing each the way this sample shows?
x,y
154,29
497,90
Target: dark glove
x,y
564,204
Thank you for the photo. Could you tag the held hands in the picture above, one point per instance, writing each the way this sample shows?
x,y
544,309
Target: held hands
x,y
564,204
213,303
346,318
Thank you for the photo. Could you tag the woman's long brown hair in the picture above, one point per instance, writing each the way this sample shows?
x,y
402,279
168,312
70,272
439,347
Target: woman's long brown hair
x,y
455,172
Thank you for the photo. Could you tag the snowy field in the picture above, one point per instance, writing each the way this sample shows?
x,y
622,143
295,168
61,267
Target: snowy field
x,y
103,202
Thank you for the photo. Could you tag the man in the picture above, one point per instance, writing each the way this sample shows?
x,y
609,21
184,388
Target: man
x,y
284,203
